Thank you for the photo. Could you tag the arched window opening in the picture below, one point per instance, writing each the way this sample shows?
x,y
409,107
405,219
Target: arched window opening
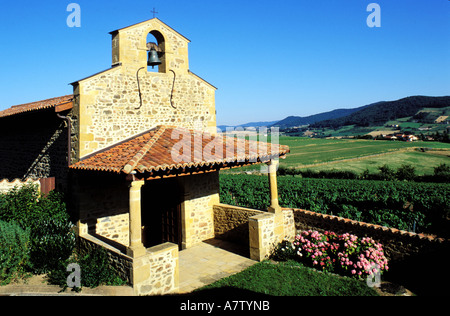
x,y
156,48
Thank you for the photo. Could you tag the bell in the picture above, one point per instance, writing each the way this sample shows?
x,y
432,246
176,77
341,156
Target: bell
x,y
153,59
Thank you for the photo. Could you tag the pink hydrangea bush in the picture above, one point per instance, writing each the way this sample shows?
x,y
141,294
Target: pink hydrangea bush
x,y
345,254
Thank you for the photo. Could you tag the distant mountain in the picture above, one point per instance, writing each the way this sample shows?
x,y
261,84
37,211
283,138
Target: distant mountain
x,y
374,114
380,113
223,128
293,121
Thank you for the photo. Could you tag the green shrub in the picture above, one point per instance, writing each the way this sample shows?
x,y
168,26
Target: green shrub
x,y
284,251
53,242
14,251
406,172
386,172
95,270
442,169
52,239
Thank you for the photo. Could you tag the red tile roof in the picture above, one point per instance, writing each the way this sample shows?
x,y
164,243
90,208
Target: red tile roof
x,y
35,106
174,150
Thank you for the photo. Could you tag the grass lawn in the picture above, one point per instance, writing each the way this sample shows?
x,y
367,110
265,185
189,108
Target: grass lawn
x,y
290,279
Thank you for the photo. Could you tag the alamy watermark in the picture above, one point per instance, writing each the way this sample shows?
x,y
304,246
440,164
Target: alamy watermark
x,y
374,18
250,145
74,279
74,18
374,277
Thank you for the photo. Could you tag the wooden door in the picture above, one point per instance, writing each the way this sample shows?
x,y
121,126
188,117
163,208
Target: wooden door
x,y
171,224
161,213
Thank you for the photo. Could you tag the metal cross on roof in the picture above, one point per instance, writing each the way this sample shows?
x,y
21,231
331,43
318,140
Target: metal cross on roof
x,y
154,12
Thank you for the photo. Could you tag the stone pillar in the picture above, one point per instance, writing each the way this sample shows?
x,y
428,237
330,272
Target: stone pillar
x,y
261,234
274,204
136,248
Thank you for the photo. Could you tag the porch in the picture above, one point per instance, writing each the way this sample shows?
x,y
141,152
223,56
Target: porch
x,y
136,196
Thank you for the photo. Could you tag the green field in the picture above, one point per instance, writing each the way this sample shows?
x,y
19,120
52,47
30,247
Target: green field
x,y
358,155
423,163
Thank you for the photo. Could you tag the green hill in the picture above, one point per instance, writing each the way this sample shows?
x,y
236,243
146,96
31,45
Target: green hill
x,y
294,121
381,113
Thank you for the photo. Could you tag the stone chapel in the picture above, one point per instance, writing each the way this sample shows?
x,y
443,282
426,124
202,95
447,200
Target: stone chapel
x,y
137,154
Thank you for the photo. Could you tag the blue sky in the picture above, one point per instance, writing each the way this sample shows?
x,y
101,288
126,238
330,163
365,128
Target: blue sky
x,y
268,59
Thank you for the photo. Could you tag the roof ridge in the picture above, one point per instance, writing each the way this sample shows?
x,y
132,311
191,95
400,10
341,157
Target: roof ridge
x,y
144,150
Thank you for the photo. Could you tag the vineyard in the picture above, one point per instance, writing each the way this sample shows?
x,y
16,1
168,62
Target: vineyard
x,y
412,206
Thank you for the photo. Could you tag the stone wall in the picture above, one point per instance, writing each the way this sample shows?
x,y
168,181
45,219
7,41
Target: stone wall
x,y
201,193
118,260
34,145
6,186
231,223
155,273
101,205
259,230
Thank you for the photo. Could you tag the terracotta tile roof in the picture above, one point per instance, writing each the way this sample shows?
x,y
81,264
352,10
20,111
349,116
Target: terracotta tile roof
x,y
35,106
174,150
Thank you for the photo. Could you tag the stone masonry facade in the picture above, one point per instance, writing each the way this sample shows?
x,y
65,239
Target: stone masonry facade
x,y
127,100
201,193
34,146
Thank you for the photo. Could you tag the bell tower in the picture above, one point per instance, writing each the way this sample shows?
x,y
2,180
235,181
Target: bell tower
x,y
130,48
131,98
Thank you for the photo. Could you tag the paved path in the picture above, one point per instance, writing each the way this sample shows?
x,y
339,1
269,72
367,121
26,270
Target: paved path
x,y
210,261
37,286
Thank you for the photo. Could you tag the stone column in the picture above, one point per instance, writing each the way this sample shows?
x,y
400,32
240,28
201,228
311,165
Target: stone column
x,y
136,248
274,204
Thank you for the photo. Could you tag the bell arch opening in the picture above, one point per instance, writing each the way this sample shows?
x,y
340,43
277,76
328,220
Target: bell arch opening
x,y
156,49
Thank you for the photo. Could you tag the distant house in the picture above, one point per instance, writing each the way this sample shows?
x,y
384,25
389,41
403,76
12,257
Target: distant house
x,y
309,134
403,137
410,138
441,119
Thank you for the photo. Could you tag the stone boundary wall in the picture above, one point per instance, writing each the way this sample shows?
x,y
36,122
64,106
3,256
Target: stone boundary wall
x,y
121,262
6,185
398,244
231,223
155,273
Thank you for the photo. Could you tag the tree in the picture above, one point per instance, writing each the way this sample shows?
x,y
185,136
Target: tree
x,y
442,169
406,172
386,172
